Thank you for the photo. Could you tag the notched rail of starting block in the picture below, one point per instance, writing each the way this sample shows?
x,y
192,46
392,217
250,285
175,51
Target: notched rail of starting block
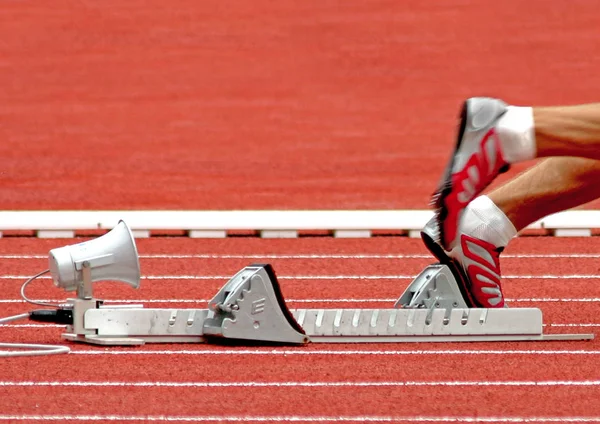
x,y
251,307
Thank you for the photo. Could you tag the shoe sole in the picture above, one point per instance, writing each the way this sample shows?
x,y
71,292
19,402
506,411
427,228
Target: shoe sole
x,y
446,188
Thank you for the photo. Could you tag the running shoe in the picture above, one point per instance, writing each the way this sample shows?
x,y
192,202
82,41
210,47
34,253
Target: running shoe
x,y
476,161
474,263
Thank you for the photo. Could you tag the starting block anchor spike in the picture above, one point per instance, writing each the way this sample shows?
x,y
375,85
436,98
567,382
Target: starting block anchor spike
x,y
434,287
251,307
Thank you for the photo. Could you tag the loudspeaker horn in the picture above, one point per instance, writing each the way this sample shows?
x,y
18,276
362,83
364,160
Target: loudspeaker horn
x,y
112,256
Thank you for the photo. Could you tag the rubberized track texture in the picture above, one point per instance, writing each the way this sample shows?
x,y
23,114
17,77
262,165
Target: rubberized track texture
x,y
265,105
283,105
523,382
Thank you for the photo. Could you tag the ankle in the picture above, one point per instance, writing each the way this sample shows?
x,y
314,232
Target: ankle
x,y
486,221
517,134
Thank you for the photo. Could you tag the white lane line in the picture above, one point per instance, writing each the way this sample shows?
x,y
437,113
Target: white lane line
x,y
256,256
301,384
309,301
301,352
332,277
32,325
296,418
591,324
328,256
555,299
571,325
205,301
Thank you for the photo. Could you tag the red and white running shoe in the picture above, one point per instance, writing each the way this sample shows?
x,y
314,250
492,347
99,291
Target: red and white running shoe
x,y
474,263
476,161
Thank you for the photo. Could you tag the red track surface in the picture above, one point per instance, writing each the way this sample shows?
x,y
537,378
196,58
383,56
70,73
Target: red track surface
x,y
281,105
360,382
241,105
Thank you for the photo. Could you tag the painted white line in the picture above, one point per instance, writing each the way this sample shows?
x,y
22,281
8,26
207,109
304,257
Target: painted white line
x,y
591,324
18,256
144,277
555,299
32,325
290,256
362,256
588,325
572,325
296,418
301,352
553,277
309,301
301,384
327,256
111,301
332,277
205,301
257,256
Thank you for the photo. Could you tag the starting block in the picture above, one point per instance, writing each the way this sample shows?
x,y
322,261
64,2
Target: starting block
x,y
250,307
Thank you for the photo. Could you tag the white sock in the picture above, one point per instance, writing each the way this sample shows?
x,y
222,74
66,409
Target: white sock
x,y
516,131
484,220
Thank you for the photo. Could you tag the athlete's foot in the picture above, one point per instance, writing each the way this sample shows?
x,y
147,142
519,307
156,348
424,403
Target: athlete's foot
x,y
483,233
477,159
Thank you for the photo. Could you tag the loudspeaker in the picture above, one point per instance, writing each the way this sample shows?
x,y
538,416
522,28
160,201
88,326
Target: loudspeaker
x,y
112,256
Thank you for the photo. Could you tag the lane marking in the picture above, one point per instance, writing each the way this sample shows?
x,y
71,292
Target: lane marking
x,y
591,324
256,256
32,325
294,418
308,301
299,352
331,277
205,301
327,256
572,325
287,384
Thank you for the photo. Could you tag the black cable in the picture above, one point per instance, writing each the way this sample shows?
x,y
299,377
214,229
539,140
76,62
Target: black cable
x,y
55,316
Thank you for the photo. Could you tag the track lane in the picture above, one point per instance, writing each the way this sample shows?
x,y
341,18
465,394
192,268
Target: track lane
x,y
223,363
235,364
309,266
335,71
302,245
573,293
554,312
549,401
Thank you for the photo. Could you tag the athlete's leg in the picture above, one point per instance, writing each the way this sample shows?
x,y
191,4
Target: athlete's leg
x,y
568,131
551,186
493,135
490,222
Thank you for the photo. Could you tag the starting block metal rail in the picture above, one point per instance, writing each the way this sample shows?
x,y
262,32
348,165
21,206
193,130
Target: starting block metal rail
x,y
250,307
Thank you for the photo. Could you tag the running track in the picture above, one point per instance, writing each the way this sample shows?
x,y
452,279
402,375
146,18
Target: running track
x,y
265,105
358,382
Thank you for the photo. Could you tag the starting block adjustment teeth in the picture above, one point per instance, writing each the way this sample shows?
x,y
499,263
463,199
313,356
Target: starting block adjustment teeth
x,y
403,325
